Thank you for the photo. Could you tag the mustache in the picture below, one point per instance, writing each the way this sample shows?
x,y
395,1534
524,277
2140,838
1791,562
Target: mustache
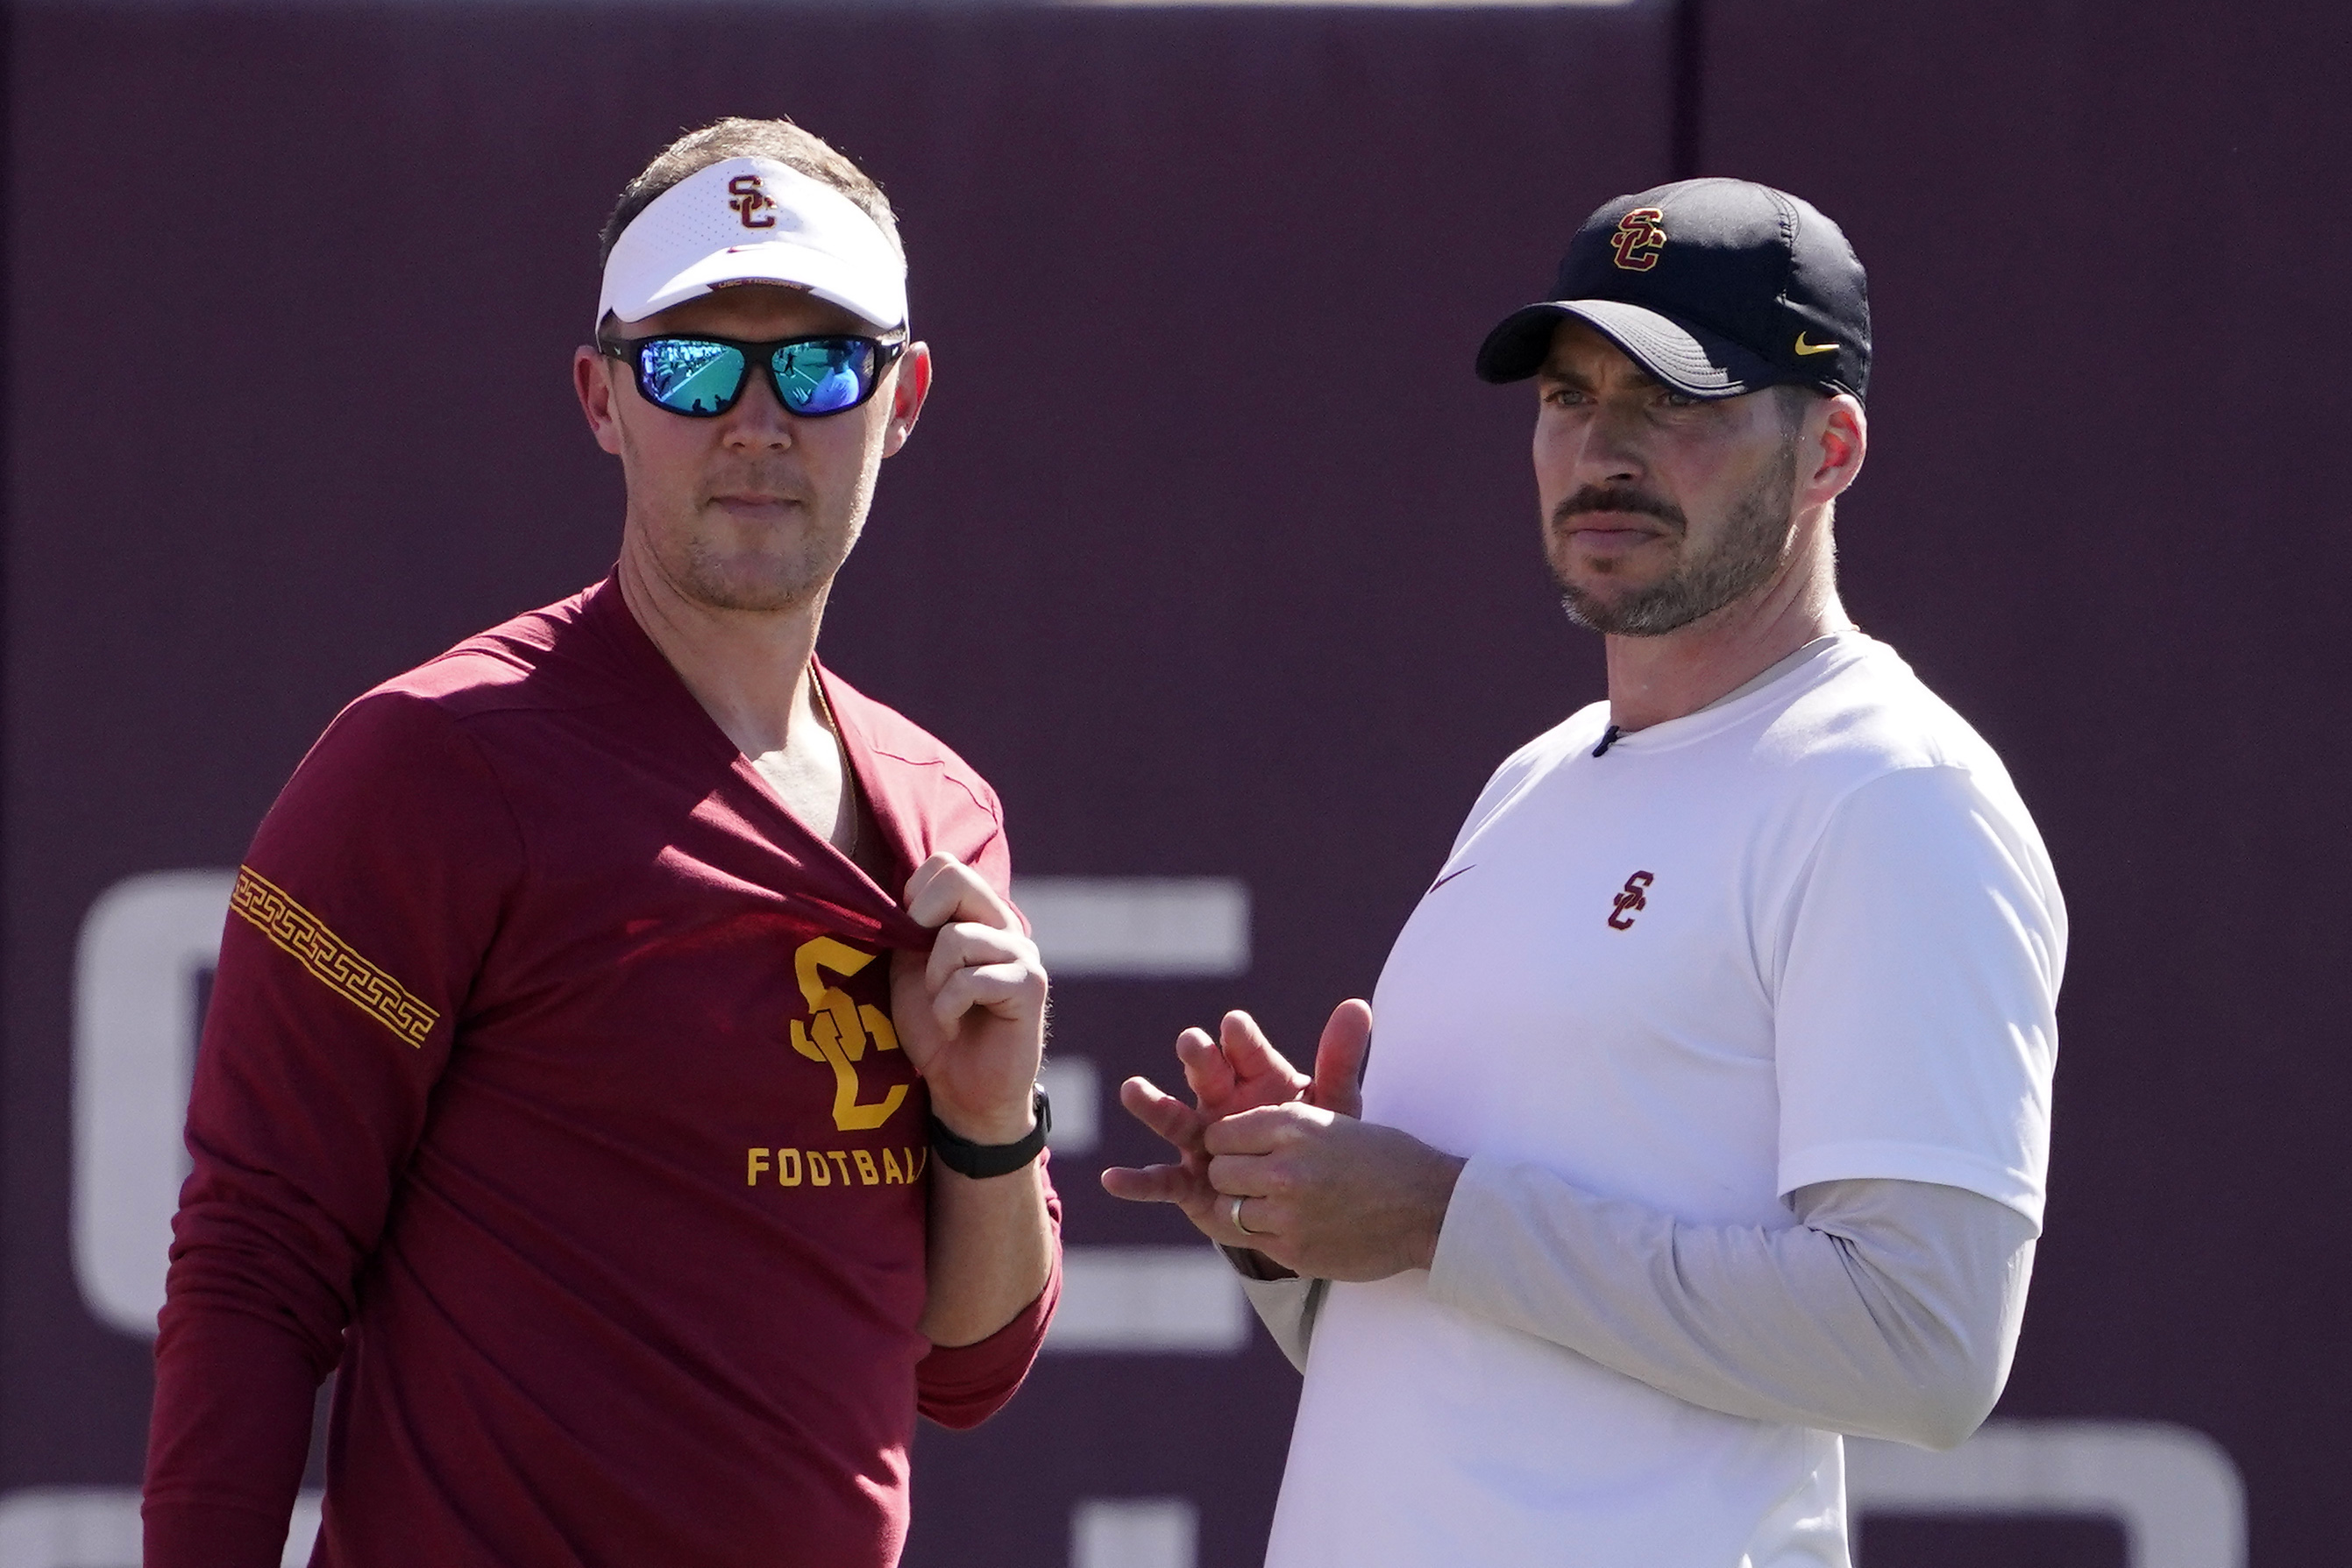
x,y
1593,498
758,479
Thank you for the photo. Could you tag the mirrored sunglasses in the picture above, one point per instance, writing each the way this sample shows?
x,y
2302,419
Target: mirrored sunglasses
x,y
701,378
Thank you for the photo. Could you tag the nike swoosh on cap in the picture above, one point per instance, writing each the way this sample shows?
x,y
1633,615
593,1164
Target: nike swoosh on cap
x,y
1805,347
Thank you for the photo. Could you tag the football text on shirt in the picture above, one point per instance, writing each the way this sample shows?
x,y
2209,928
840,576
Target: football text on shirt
x,y
824,1168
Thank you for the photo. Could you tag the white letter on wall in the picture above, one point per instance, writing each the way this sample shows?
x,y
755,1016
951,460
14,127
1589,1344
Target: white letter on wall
x,y
142,945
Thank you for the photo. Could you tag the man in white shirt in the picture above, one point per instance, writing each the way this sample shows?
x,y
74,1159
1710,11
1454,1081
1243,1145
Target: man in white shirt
x,y
1710,1118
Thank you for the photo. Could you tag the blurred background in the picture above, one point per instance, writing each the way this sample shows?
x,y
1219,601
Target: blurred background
x,y
1214,557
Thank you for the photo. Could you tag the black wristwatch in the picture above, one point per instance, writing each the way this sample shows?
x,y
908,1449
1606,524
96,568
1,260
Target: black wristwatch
x,y
965,1158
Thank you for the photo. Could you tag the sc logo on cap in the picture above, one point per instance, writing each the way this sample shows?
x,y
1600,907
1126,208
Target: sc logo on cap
x,y
1641,235
749,202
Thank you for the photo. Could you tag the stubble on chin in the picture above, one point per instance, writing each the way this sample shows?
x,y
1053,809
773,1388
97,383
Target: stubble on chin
x,y
723,558
1754,541
753,581
711,564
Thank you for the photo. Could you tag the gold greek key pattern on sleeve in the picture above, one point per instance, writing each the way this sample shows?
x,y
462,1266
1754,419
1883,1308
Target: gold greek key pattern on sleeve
x,y
330,957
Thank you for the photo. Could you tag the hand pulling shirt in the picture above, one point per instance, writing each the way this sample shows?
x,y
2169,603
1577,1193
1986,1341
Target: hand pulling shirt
x,y
549,1087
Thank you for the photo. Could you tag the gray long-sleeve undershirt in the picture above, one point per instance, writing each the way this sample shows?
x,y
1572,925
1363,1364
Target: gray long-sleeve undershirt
x,y
1890,1310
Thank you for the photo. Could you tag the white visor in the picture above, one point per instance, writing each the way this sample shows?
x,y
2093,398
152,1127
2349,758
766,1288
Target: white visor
x,y
753,220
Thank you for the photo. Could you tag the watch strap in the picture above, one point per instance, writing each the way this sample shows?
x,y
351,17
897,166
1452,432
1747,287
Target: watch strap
x,y
980,1161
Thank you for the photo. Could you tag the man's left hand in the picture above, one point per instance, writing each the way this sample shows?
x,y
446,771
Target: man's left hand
x,y
1331,1197
970,1014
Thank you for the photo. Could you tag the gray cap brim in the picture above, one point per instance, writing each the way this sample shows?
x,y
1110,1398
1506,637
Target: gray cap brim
x,y
1686,358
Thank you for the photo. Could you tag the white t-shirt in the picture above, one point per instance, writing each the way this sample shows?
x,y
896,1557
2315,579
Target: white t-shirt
x,y
1806,934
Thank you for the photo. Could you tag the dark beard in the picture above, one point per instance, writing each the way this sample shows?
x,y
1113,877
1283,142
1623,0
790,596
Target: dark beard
x,y
1755,537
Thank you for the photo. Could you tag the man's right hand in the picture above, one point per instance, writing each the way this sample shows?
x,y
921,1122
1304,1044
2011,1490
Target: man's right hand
x,y
1240,1071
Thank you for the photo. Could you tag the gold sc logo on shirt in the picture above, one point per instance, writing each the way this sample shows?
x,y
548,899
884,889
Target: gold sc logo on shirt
x,y
839,1030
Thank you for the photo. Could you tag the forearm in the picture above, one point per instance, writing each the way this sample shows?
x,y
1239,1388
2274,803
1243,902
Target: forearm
x,y
1890,1311
227,1440
992,1246
995,1265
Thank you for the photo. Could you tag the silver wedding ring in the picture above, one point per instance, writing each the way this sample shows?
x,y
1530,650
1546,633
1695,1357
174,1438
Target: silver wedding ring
x,y
1233,1213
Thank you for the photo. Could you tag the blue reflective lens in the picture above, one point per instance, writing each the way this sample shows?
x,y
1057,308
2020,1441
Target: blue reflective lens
x,y
685,376
824,375
702,377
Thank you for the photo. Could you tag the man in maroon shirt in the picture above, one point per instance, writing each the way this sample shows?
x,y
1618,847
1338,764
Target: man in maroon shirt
x,y
573,1081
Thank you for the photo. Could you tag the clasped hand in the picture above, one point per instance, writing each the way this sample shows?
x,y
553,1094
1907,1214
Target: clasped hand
x,y
1321,1192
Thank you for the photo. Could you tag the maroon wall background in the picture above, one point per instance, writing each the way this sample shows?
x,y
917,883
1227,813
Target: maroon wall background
x,y
1212,554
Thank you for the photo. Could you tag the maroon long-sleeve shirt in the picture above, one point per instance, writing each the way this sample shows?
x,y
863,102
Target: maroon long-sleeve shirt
x,y
549,1089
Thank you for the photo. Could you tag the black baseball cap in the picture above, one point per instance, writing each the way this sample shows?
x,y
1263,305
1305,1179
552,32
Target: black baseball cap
x,y
1715,286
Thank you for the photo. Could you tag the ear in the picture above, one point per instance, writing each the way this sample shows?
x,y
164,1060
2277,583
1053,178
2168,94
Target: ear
x,y
1837,435
910,383
593,385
